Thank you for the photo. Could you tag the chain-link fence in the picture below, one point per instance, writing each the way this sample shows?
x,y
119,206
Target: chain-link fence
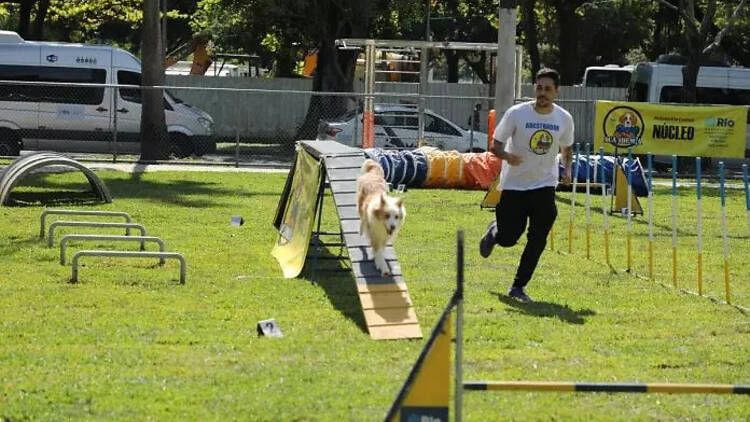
x,y
235,121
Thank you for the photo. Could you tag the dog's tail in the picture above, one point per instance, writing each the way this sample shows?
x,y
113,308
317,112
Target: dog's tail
x,y
371,166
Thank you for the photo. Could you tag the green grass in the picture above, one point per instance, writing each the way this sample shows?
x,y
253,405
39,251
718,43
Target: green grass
x,y
129,343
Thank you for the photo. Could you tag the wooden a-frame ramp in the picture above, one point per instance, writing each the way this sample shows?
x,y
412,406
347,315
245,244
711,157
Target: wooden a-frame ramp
x,y
388,309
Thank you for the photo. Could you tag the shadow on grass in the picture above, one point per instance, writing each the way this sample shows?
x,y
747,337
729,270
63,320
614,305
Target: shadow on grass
x,y
335,277
546,309
11,246
53,199
171,192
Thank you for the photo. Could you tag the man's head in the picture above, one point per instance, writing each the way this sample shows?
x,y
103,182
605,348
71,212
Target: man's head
x,y
546,87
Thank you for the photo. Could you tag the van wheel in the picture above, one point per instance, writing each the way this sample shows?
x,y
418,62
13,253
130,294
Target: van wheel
x,y
10,144
180,146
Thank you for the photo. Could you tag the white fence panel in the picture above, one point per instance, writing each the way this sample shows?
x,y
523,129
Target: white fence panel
x,y
278,115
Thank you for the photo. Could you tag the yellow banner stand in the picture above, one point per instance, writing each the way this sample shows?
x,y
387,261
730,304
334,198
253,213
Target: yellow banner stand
x,y
621,195
296,226
492,197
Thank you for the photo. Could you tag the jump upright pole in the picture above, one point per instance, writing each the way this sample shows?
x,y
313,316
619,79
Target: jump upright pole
x,y
724,231
649,160
604,204
674,220
459,300
588,202
630,211
573,200
699,228
747,196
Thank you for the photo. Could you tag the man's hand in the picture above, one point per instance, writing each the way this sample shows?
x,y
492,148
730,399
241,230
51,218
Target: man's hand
x,y
512,159
499,150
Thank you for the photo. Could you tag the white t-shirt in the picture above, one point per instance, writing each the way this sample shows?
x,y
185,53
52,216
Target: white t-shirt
x,y
537,138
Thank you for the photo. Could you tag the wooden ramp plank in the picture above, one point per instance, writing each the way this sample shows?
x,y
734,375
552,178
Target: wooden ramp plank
x,y
385,316
395,331
375,300
345,162
345,186
388,310
349,174
396,284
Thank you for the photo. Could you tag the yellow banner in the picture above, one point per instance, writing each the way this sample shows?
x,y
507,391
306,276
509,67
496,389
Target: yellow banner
x,y
689,131
428,396
291,246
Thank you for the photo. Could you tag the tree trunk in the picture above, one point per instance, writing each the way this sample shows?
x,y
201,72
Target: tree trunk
x,y
24,18
286,60
37,31
689,80
528,22
568,23
154,141
451,59
335,73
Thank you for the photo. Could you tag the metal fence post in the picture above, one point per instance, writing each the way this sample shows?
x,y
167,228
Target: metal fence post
x,y
237,147
114,126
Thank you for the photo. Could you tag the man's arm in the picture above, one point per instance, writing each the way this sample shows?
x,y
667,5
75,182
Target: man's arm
x,y
504,131
498,148
567,159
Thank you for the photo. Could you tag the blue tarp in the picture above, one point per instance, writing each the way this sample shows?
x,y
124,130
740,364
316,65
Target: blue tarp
x,y
637,174
400,167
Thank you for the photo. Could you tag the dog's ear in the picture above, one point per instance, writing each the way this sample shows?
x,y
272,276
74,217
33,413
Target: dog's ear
x,y
382,200
400,202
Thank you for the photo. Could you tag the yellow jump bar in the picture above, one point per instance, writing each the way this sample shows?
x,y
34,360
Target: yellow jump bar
x,y
606,387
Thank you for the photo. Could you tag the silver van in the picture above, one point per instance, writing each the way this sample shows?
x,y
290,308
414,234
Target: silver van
x,y
82,119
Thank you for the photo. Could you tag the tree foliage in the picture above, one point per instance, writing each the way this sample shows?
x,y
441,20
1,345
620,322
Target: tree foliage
x,y
567,34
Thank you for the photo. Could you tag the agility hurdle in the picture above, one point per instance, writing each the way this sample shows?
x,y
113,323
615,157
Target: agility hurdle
x,y
425,393
54,225
65,239
45,213
127,254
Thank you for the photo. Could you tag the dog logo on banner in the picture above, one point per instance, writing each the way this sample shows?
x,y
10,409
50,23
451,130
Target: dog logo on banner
x,y
623,127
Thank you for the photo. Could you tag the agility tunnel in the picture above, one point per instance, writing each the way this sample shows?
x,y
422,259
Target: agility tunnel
x,y
428,167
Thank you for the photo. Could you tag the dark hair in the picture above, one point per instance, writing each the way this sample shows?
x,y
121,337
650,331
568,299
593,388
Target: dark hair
x,y
546,72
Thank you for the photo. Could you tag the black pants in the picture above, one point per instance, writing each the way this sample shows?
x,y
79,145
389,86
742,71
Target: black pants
x,y
512,212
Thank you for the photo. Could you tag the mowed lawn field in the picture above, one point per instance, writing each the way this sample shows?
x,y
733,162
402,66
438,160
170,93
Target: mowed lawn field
x,y
128,342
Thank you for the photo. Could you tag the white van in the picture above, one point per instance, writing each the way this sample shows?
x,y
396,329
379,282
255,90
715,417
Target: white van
x,y
81,119
609,76
662,83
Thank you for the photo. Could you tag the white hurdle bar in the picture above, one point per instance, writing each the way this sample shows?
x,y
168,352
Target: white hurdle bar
x,y
45,213
71,237
54,225
127,254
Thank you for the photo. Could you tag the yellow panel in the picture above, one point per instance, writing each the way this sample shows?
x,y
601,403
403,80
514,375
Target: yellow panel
x,y
394,332
385,300
492,197
621,194
390,316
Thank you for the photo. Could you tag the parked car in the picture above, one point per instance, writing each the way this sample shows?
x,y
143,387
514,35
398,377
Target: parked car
x,y
397,127
69,118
